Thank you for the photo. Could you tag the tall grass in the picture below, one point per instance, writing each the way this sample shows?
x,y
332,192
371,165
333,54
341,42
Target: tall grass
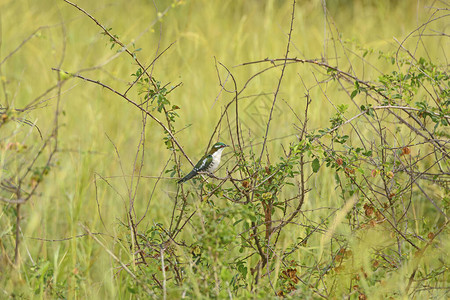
x,y
74,241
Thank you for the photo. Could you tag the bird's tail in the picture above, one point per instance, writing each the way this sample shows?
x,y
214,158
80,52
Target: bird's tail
x,y
188,176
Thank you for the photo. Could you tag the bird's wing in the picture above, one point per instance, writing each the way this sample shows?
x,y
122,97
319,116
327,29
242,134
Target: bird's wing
x,y
202,163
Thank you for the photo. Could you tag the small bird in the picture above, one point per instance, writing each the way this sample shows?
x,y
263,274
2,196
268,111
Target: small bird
x,y
208,163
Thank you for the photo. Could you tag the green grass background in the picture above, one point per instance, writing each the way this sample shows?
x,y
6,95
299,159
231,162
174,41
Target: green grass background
x,y
232,32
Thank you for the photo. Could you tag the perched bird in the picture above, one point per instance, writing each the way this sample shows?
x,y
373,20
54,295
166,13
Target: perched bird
x,y
207,163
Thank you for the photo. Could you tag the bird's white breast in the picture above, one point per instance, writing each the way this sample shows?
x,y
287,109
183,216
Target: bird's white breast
x,y
215,160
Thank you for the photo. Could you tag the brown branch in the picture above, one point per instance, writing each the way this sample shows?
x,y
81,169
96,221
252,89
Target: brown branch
x,y
133,103
279,82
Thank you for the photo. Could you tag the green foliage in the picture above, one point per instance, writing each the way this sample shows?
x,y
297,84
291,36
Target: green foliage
x,y
112,39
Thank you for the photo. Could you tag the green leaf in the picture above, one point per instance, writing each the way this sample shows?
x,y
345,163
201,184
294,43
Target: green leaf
x,y
315,165
237,222
336,177
367,153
